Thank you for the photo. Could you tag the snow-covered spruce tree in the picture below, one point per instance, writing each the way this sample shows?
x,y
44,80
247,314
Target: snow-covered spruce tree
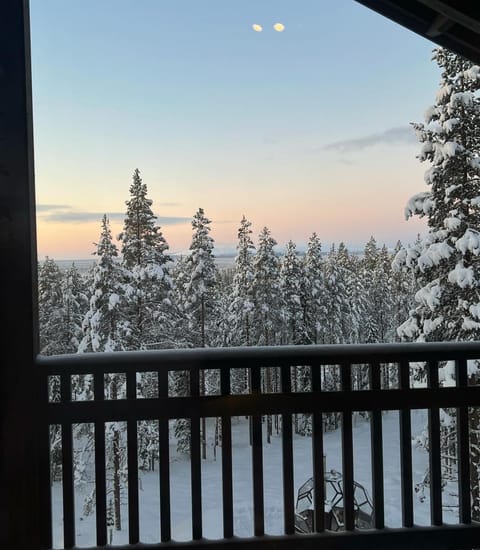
x,y
62,305
220,327
50,313
149,287
334,295
75,302
348,265
182,332
75,305
146,266
370,331
104,326
403,291
179,381
266,319
242,290
240,311
199,275
313,299
266,292
377,303
50,307
105,330
337,297
446,262
337,304
386,315
291,288
385,278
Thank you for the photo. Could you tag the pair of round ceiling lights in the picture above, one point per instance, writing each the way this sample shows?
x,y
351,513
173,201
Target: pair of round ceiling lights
x,y
279,27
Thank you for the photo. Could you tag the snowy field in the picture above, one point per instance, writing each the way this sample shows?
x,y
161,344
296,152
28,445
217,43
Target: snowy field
x,y
242,489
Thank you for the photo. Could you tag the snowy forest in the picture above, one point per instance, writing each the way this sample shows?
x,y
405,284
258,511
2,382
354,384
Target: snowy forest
x,y
137,297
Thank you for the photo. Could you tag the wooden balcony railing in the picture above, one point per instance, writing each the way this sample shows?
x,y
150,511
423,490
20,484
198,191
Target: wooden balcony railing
x,y
255,404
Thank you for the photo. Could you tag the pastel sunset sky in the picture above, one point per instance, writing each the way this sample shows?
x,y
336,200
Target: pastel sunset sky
x,y
301,130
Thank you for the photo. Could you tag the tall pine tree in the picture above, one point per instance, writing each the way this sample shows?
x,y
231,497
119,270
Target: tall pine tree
x,y
267,320
446,262
104,326
266,291
313,299
146,263
291,287
198,278
241,305
50,306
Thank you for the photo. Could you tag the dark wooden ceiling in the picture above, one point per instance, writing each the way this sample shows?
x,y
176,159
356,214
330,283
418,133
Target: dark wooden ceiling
x,y
453,24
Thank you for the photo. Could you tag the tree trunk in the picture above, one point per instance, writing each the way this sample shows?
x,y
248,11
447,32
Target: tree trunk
x,y
202,321
116,462
294,371
203,423
268,385
249,386
116,480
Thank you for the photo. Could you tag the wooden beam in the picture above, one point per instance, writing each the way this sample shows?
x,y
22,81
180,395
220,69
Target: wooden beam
x,y
440,25
20,516
453,14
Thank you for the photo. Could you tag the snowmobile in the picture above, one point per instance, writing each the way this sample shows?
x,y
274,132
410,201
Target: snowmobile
x,y
304,516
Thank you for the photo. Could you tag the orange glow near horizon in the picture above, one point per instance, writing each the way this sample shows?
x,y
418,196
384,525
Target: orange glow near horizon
x,y
340,202
354,226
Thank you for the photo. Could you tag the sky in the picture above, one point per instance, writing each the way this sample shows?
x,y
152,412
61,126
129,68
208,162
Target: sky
x,y
301,130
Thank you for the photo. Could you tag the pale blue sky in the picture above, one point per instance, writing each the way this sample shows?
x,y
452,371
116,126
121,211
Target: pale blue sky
x,y
219,116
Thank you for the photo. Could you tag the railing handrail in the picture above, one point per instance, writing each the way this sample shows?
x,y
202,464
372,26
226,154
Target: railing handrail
x,y
261,400
263,356
272,404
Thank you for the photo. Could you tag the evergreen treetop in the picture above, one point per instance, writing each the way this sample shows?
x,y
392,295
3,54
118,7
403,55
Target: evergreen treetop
x,y
142,241
446,261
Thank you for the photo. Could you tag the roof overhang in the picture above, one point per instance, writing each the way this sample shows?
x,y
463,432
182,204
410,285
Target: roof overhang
x,y
452,24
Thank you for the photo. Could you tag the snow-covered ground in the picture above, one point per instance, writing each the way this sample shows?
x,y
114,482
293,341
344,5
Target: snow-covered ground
x,y
212,494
